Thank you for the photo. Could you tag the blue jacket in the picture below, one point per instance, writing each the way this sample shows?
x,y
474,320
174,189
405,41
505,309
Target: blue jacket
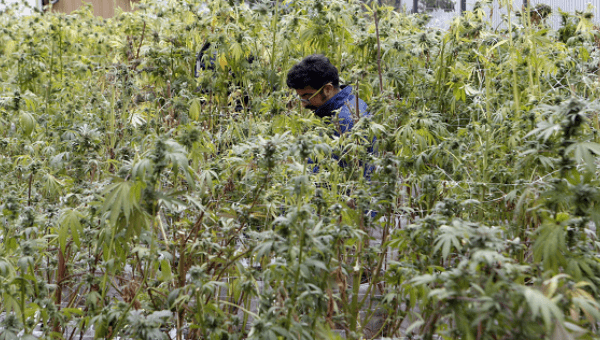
x,y
347,102
344,101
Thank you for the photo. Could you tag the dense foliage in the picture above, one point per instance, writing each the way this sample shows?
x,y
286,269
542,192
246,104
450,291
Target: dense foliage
x,y
137,199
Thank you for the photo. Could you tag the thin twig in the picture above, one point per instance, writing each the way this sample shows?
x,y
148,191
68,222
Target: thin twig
x,y
29,190
378,48
357,102
137,55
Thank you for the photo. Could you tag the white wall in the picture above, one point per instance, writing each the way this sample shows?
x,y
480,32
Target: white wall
x,y
565,5
33,3
441,19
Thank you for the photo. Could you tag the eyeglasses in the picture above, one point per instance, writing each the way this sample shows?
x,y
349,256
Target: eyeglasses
x,y
307,101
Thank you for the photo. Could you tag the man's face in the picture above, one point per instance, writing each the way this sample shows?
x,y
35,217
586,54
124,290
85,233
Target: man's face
x,y
312,98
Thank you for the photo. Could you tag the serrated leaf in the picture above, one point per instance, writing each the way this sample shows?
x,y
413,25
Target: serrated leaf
x,y
70,223
560,333
445,241
119,200
415,325
540,305
585,152
195,109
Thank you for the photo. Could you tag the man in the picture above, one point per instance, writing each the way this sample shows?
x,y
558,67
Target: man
x,y
317,83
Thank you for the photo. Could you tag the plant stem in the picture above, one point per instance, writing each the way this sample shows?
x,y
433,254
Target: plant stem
x,y
354,307
513,60
378,48
274,28
22,305
110,249
133,300
137,55
29,189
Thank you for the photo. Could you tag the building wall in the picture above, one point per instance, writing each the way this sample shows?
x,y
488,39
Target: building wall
x,y
442,19
104,8
25,11
555,21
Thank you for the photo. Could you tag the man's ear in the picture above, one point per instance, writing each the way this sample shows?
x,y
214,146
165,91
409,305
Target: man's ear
x,y
329,91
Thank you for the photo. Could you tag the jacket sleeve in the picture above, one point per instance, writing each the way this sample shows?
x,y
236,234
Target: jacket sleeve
x,y
345,119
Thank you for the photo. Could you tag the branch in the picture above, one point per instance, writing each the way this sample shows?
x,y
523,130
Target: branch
x,y
378,48
137,55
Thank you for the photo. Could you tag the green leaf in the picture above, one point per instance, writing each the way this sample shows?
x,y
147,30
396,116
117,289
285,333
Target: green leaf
x,y
544,130
195,109
590,307
550,245
446,240
70,223
51,186
423,279
120,199
27,123
415,325
560,333
72,311
540,305
165,274
5,268
585,152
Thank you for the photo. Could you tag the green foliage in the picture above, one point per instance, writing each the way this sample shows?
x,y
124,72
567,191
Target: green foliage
x,y
137,198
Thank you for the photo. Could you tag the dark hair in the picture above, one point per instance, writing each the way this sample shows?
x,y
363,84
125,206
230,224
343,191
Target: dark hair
x,y
314,71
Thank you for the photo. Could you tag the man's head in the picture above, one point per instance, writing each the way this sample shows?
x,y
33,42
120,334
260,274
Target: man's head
x,y
315,80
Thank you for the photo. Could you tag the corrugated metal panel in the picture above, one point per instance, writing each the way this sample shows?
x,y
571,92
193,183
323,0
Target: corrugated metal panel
x,y
569,6
496,12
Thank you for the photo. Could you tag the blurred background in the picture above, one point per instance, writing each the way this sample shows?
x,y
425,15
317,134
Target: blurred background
x,y
442,11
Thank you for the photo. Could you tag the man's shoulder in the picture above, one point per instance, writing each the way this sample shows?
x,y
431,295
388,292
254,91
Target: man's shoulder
x,y
349,107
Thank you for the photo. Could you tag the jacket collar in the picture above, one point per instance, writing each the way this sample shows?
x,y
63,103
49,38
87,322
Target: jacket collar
x,y
335,102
